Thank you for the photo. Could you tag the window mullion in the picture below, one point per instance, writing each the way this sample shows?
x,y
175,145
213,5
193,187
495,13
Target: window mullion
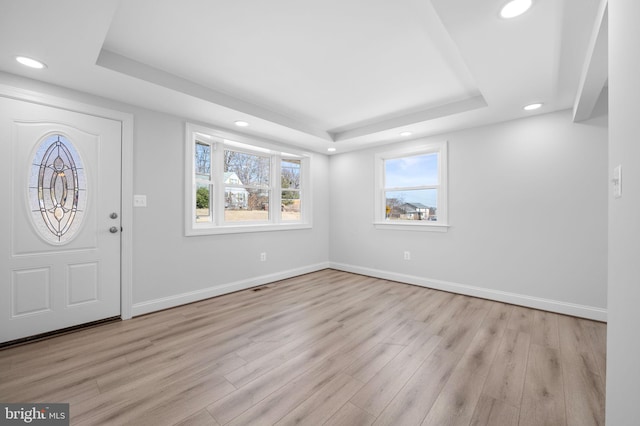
x,y
275,189
194,182
218,182
234,185
412,188
305,188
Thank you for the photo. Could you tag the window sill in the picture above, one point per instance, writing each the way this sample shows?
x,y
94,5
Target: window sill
x,y
240,229
415,227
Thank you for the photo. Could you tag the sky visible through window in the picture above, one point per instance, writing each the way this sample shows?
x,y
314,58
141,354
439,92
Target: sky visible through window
x,y
414,171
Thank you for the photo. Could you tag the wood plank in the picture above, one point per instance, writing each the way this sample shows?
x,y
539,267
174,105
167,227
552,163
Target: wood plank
x,y
433,306
254,369
255,391
67,360
161,368
491,412
152,405
201,418
521,319
368,365
350,415
284,400
597,334
446,317
255,350
411,404
419,300
68,387
170,406
583,391
506,377
356,343
497,319
458,398
407,333
319,407
381,389
543,394
545,329
573,339
459,336
575,342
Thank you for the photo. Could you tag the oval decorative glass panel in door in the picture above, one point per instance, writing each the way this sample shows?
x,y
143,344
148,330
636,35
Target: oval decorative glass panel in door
x,y
57,190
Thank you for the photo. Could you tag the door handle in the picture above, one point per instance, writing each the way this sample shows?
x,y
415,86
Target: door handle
x,y
113,229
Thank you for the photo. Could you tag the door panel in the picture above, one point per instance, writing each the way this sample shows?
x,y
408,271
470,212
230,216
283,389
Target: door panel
x,y
60,263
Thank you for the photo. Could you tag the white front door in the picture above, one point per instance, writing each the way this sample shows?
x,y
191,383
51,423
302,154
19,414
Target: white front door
x,y
60,186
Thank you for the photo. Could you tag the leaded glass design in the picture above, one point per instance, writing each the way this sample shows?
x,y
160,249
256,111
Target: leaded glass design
x,y
57,190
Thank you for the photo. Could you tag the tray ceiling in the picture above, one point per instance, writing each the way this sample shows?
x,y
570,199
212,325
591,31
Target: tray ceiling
x,y
313,74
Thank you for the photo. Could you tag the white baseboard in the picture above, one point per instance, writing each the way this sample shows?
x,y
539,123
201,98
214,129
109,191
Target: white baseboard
x,y
589,312
206,293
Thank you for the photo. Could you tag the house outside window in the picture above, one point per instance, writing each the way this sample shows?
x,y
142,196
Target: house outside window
x,y
411,188
234,198
239,184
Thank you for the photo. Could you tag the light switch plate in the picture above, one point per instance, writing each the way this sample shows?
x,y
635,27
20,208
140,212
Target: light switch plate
x,y
617,182
139,201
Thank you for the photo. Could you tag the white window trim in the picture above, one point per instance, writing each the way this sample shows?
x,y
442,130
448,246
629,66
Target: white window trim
x,y
380,222
239,142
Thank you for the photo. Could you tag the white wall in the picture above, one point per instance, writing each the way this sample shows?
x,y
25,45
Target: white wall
x,y
166,263
527,213
623,345
528,216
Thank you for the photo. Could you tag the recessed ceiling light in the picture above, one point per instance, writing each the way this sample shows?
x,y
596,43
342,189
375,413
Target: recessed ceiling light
x,y
531,107
241,123
331,149
29,62
515,8
405,133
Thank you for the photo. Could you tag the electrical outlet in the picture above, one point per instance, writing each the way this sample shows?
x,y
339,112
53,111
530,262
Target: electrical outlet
x,y
407,255
263,257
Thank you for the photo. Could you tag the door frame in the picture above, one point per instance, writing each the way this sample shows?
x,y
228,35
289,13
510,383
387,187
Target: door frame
x,y
126,198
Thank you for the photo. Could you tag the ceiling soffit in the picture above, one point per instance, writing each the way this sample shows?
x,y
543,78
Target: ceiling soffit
x,y
328,69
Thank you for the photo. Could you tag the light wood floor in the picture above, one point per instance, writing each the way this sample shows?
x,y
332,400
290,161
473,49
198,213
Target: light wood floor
x,y
325,348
